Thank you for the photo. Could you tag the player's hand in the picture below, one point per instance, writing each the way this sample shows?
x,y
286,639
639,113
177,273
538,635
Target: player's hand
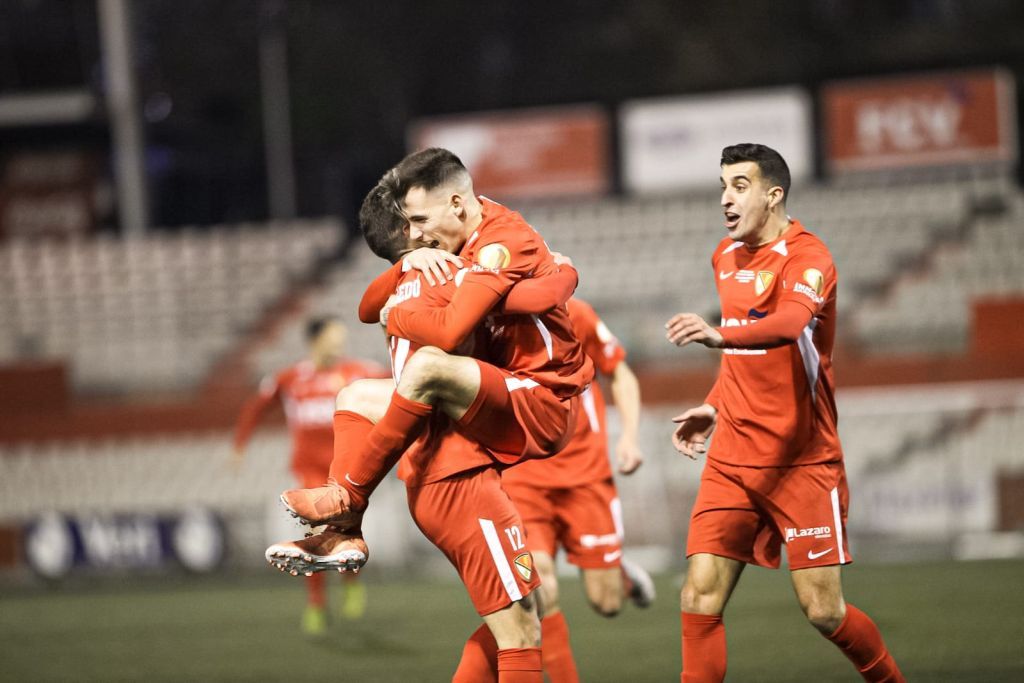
x,y
386,311
684,328
628,455
433,263
562,259
695,426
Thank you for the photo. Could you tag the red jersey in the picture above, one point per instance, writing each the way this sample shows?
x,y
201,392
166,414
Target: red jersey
x,y
503,250
585,458
776,407
308,396
440,451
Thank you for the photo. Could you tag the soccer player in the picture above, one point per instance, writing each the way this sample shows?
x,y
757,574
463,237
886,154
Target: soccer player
x,y
307,390
523,405
570,500
774,473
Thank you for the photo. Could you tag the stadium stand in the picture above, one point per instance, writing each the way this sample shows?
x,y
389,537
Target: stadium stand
x,y
656,251
131,315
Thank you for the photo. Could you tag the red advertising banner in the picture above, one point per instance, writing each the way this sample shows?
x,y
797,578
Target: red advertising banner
x,y
530,153
946,118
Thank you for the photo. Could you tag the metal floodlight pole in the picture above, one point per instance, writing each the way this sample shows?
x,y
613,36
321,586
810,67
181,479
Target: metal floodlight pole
x,y
127,148
277,124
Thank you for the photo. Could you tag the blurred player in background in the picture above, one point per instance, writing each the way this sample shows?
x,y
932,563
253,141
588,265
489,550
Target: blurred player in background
x,y
774,473
307,391
571,501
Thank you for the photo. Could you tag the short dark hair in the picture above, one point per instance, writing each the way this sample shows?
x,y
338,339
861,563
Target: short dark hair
x,y
429,168
381,223
771,164
315,326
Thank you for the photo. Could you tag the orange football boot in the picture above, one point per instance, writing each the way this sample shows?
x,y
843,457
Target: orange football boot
x,y
330,504
332,548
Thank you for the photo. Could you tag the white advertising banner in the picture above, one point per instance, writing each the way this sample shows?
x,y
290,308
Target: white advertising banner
x,y
676,143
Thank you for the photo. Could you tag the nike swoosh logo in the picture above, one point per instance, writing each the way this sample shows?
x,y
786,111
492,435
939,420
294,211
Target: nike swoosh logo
x,y
725,276
612,556
813,555
349,480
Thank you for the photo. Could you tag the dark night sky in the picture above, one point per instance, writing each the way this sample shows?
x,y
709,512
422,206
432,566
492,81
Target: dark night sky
x,y
360,71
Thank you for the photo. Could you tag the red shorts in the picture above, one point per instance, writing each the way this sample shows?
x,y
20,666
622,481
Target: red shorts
x,y
516,418
472,521
747,513
586,520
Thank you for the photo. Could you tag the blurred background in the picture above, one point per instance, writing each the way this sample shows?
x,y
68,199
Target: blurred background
x,y
178,189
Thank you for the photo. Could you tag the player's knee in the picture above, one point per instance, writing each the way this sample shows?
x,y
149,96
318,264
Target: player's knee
x,y
826,616
352,397
424,368
606,602
700,595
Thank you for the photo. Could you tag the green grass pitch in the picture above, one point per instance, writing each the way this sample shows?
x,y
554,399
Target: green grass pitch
x,y
944,622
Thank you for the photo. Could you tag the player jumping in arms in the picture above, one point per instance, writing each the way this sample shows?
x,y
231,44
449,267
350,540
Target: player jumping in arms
x,y
774,473
571,501
521,404
307,390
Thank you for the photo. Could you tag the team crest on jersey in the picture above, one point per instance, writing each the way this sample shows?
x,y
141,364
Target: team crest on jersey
x,y
494,257
815,279
764,281
524,565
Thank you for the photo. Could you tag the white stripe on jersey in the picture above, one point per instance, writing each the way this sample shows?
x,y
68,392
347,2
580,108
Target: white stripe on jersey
x,y
809,353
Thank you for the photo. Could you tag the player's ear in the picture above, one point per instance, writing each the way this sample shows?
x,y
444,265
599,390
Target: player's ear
x,y
458,204
775,196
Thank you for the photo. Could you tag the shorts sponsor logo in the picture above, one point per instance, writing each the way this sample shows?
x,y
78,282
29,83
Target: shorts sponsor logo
x,y
594,540
524,565
812,531
764,281
494,257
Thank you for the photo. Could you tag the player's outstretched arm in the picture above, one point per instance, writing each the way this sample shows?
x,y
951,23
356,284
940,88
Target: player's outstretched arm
x,y
250,415
626,391
433,263
447,326
695,427
538,295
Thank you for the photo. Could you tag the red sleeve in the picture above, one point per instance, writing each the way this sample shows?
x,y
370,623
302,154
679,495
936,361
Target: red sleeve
x,y
776,329
448,326
714,397
254,409
541,294
809,278
377,294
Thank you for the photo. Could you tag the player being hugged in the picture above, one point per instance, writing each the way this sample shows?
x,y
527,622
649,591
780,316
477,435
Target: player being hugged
x,y
774,474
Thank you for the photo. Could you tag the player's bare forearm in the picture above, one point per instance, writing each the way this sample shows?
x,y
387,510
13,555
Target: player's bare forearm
x,y
626,393
687,328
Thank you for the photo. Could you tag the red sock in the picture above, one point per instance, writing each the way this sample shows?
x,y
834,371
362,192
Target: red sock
x,y
365,462
479,663
703,648
315,590
520,665
556,652
861,641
